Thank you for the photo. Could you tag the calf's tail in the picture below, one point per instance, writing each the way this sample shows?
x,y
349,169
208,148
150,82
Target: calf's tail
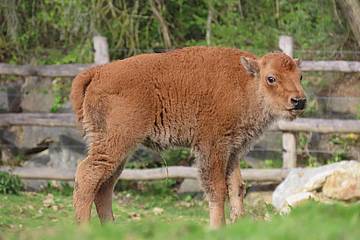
x,y
78,90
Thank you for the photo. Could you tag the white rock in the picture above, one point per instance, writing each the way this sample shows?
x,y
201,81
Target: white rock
x,y
295,200
306,180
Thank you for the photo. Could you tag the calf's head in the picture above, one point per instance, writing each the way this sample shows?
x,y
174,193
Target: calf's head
x,y
279,83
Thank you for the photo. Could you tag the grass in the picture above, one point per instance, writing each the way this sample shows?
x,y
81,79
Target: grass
x,y
154,214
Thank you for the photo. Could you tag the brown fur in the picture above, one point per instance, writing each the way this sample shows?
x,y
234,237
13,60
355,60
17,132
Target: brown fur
x,y
199,97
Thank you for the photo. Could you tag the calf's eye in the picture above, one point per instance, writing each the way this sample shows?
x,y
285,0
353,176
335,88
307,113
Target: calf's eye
x,y
271,80
300,77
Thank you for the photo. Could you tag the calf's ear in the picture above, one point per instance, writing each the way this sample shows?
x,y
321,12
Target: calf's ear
x,y
250,65
297,61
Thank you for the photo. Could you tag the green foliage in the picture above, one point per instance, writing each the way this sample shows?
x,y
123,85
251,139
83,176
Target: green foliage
x,y
244,164
51,32
341,145
59,188
10,184
147,187
312,161
169,157
337,156
303,146
56,104
273,163
174,156
312,107
61,90
302,140
358,112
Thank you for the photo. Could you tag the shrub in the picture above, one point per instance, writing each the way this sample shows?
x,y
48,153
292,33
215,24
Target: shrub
x,y
59,188
10,184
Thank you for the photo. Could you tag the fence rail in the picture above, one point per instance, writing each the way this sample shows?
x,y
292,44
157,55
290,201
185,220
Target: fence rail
x,y
63,70
288,128
298,125
46,173
71,70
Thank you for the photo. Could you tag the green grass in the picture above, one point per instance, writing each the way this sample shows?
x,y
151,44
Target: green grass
x,y
28,216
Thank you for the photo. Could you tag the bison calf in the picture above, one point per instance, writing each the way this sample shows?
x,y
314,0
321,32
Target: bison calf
x,y
217,101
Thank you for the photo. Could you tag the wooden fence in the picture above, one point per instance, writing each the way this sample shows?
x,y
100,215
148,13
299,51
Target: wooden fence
x,y
101,56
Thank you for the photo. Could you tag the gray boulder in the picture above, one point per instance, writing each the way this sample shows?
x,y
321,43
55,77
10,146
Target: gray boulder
x,y
190,186
10,96
37,95
66,153
40,159
32,137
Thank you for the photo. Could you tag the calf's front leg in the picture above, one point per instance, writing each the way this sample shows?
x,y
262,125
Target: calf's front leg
x,y
212,176
236,189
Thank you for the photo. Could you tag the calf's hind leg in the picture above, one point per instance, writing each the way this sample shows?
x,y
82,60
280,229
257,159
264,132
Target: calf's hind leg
x,y
105,157
103,197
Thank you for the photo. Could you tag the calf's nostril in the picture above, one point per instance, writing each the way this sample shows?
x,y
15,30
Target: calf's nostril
x,y
298,103
294,101
302,103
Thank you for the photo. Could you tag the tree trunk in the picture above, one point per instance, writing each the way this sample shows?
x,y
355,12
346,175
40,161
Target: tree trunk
x,y
164,27
208,25
351,10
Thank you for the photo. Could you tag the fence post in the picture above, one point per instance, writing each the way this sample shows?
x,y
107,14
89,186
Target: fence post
x,y
289,150
101,48
286,44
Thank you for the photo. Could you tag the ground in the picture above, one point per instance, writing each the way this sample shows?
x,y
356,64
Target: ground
x,y
160,213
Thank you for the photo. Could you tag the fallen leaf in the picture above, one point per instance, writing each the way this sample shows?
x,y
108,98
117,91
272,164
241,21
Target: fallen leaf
x,y
186,204
267,217
135,216
158,211
40,211
49,200
30,193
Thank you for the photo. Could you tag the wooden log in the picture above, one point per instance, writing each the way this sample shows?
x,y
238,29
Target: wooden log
x,y
159,173
318,125
46,173
289,150
22,70
71,70
63,70
335,66
38,119
286,44
101,55
298,125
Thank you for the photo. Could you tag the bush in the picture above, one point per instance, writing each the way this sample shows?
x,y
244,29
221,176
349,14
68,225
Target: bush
x,y
58,188
10,184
